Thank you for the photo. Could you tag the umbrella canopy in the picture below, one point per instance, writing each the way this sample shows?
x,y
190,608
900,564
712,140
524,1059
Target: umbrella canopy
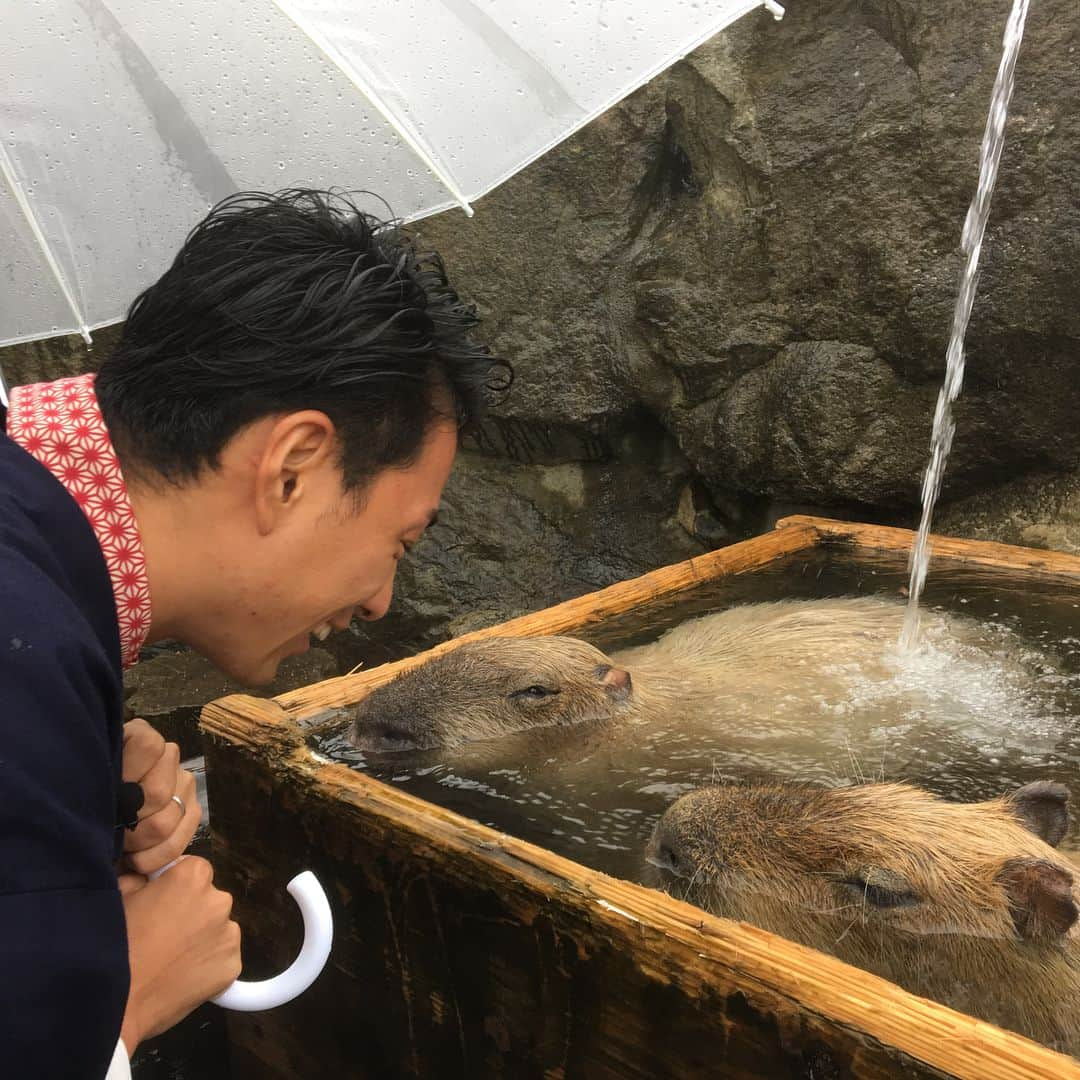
x,y
123,121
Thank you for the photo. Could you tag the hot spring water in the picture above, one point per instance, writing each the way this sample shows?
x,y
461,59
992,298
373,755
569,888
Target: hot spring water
x,y
967,716
971,244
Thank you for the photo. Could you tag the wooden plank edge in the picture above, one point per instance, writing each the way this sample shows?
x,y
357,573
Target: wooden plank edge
x,y
927,1031
571,615
989,553
253,722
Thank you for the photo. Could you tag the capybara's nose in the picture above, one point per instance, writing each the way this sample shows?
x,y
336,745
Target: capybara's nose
x,y
662,853
616,680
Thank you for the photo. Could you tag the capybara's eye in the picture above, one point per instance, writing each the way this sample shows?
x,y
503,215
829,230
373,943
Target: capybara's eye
x,y
534,692
391,738
879,896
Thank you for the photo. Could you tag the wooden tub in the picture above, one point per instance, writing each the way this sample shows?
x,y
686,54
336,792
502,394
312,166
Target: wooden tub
x,y
464,952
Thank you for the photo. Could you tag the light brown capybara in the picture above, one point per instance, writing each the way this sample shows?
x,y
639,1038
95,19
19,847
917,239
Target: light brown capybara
x,y
965,903
757,654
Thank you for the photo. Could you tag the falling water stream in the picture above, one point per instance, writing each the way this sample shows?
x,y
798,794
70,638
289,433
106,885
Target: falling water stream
x,y
971,245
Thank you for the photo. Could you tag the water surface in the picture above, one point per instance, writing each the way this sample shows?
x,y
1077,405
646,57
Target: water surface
x,y
967,717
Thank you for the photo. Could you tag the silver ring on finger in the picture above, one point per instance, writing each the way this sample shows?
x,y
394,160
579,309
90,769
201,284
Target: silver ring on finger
x,y
179,802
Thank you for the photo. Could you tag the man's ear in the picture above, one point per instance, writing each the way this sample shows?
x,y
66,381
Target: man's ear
x,y
296,448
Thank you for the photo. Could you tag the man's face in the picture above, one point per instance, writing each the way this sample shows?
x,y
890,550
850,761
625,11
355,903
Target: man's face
x,y
322,563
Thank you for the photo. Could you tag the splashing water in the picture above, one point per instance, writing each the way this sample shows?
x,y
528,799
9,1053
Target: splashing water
x,y
971,245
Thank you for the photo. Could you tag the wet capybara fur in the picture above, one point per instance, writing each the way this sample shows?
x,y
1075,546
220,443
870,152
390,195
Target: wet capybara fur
x,y
965,903
492,687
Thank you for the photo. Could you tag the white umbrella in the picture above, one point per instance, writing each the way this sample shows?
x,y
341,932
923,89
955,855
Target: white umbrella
x,y
122,121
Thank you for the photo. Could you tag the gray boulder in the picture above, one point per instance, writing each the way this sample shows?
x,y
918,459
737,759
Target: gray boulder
x,y
1040,511
760,248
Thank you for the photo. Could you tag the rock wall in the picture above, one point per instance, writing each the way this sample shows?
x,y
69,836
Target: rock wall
x,y
1039,511
55,358
760,249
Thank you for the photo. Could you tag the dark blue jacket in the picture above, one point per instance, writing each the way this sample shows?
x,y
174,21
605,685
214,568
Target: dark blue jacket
x,y
63,945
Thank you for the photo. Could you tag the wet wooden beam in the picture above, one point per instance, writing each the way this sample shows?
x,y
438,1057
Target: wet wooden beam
x,y
1006,559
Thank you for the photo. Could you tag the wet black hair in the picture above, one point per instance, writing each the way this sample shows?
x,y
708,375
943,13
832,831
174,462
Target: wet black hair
x,y
287,301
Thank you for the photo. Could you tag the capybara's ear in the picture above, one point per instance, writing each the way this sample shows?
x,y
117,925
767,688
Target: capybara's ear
x,y
616,681
1040,897
1043,808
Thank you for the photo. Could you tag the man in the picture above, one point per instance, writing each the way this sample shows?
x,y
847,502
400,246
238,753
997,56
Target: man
x,y
269,438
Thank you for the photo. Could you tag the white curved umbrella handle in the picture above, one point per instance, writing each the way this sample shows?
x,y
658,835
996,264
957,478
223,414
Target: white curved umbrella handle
x,y
304,970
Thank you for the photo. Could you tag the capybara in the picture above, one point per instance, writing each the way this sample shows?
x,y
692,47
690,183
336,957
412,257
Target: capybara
x,y
966,903
757,654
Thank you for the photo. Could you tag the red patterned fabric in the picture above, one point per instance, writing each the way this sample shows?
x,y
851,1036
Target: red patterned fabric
x,y
60,424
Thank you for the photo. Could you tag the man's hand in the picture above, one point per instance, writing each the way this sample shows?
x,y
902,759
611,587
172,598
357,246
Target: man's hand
x,y
164,830
184,949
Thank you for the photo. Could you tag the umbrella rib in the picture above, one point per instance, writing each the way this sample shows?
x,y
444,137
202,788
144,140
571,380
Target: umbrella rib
x,y
8,169
401,126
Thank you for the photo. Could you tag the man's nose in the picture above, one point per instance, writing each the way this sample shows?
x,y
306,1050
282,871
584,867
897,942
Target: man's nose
x,y
375,607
